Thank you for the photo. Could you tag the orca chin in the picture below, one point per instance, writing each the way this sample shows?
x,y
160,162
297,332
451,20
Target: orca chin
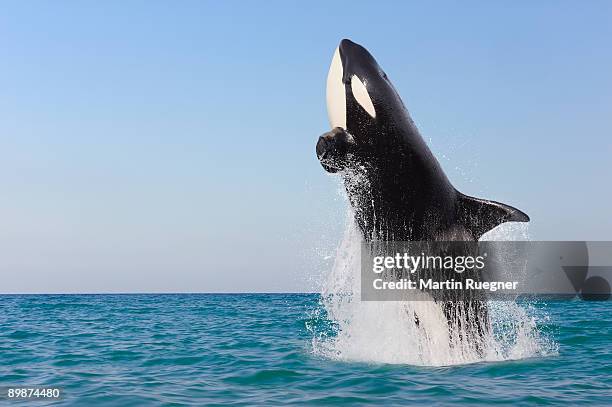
x,y
395,185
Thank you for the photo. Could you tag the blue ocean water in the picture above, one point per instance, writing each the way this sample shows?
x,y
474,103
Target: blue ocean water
x,y
256,349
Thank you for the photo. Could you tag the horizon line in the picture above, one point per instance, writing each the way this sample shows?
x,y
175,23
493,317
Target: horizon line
x,y
168,293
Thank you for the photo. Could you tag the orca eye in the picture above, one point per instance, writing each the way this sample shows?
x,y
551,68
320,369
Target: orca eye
x,y
362,96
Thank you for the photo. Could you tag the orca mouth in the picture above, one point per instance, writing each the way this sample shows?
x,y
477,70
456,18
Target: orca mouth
x,y
348,49
329,156
333,149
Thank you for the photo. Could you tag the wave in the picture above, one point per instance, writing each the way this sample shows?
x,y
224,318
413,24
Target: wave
x,y
386,331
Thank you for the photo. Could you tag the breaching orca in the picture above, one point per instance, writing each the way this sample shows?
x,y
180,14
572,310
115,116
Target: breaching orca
x,y
395,185
401,192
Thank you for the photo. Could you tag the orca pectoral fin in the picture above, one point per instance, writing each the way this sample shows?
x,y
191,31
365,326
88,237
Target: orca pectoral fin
x,y
480,215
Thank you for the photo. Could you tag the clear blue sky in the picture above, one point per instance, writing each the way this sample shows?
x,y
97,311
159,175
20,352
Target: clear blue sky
x,y
169,146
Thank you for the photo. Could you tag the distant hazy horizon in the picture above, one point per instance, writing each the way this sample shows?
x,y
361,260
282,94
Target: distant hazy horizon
x,y
169,147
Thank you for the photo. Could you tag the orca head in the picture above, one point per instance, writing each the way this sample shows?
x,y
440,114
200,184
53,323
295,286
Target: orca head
x,y
361,104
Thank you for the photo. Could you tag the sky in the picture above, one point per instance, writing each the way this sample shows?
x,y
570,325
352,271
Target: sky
x,y
169,146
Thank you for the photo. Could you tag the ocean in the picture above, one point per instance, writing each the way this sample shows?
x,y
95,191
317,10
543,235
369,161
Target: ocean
x,y
272,349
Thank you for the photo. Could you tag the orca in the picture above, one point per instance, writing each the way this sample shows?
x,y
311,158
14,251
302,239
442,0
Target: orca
x,y
400,192
396,187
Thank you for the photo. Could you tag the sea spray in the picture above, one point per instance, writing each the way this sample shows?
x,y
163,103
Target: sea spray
x,y
387,332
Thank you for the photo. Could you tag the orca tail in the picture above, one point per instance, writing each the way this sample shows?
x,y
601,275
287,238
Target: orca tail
x,y
480,215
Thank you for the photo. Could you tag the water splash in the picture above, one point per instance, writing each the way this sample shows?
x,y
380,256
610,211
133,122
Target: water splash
x,y
386,331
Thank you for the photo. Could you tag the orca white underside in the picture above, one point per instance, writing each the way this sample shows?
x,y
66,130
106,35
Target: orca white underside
x,y
336,95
